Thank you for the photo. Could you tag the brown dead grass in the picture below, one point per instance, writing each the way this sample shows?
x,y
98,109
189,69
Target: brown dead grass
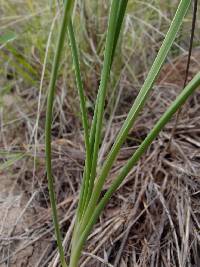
x,y
152,220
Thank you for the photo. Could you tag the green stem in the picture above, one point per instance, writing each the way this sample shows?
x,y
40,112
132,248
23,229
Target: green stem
x,y
68,5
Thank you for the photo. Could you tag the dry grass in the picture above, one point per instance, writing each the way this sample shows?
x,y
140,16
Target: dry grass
x,y
152,220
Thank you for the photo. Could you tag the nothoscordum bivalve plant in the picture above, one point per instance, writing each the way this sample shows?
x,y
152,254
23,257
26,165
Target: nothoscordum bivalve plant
x,y
90,203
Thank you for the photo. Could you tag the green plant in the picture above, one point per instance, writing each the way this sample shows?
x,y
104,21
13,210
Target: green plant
x,y
90,204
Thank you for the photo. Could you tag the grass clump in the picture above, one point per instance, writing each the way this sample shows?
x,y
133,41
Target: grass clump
x,y
90,203
156,205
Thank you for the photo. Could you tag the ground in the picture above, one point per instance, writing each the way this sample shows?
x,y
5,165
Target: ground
x,y
153,219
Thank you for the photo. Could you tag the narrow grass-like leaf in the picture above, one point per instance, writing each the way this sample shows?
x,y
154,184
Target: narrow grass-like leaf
x,y
180,100
84,114
19,69
85,123
99,109
7,37
112,36
68,6
117,13
137,106
119,20
11,160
